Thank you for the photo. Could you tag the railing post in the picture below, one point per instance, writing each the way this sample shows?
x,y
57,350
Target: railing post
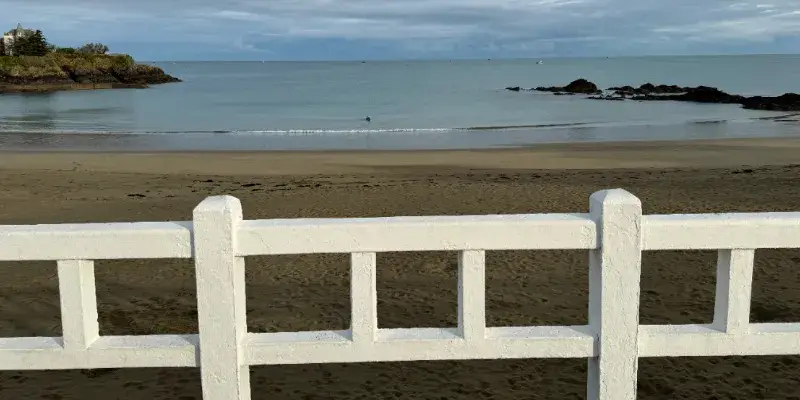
x,y
614,278
221,311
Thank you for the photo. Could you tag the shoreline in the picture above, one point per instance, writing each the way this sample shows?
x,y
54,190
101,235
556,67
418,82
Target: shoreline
x,y
719,153
757,141
772,127
65,87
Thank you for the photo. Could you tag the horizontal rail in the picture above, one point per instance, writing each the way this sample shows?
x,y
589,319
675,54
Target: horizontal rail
x,y
127,240
304,236
705,341
37,353
418,344
496,232
721,231
511,232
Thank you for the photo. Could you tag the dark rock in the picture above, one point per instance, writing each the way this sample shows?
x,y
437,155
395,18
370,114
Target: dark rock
x,y
137,75
784,102
577,86
142,73
134,85
700,94
44,80
581,86
513,88
668,89
622,88
623,91
705,94
648,88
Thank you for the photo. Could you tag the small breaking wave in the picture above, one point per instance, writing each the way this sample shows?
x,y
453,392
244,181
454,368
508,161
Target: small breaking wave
x,y
19,129
287,132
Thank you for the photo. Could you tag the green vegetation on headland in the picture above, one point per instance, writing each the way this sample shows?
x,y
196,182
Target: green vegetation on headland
x,y
29,68
60,71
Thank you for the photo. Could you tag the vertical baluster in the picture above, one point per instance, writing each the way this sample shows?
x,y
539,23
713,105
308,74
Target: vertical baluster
x,y
734,289
78,295
363,297
472,294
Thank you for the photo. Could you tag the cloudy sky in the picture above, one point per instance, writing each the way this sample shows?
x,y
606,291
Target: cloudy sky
x,y
380,29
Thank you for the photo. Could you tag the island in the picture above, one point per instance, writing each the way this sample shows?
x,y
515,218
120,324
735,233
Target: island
x,y
29,64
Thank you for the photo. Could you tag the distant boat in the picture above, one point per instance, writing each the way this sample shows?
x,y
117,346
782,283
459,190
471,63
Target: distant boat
x,y
540,62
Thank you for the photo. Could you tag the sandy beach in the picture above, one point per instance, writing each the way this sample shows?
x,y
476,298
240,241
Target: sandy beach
x,y
414,289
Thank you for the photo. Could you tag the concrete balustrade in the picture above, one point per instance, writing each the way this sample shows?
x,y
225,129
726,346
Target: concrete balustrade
x,y
614,232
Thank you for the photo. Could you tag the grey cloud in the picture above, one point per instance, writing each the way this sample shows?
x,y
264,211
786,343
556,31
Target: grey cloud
x,y
248,24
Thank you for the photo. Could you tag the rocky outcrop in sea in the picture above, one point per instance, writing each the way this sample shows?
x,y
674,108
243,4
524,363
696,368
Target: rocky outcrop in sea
x,y
698,94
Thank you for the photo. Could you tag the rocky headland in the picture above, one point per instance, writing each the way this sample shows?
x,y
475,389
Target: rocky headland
x,y
58,71
651,92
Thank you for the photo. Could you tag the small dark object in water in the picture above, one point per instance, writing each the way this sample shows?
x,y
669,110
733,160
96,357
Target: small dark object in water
x,y
368,119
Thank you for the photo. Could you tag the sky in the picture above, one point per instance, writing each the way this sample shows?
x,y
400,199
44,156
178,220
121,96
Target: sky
x,y
173,30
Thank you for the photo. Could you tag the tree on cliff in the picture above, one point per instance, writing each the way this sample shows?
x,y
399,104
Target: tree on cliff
x,y
93,48
2,47
19,46
33,45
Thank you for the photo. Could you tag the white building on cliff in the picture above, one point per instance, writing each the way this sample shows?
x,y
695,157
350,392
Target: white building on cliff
x,y
11,36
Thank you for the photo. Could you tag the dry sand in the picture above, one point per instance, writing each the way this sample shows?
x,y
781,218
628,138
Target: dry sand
x,y
415,290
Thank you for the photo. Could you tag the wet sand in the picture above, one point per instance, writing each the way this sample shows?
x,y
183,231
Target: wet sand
x,y
414,289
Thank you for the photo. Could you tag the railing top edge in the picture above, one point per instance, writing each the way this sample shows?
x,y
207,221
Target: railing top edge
x,y
494,218
97,227
789,217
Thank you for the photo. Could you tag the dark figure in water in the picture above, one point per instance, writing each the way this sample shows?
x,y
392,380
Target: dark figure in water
x,y
368,119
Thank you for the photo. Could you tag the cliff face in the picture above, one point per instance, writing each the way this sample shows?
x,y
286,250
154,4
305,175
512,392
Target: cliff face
x,y
73,71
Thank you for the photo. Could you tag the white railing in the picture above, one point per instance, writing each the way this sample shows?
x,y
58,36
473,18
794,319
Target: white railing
x,y
615,233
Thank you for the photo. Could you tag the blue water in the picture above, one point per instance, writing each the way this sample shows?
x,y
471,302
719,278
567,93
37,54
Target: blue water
x,y
413,104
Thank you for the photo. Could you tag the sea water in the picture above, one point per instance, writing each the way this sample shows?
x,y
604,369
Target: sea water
x,y
411,105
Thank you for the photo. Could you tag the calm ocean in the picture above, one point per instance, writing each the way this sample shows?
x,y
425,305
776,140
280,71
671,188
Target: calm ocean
x,y
412,104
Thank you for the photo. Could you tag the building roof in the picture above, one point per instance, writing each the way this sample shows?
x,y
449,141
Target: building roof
x,y
20,31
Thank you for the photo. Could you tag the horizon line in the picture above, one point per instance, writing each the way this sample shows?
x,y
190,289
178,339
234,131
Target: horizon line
x,y
360,60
